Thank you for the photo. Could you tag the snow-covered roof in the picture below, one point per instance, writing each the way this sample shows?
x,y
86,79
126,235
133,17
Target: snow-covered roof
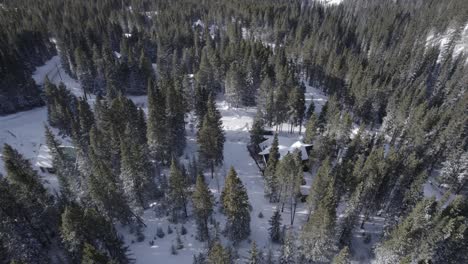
x,y
44,158
284,150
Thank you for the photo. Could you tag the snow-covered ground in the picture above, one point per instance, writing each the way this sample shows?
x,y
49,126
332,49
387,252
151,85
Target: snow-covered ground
x,y
441,39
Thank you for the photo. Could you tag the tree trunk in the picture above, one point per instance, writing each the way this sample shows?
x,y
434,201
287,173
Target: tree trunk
x,y
212,168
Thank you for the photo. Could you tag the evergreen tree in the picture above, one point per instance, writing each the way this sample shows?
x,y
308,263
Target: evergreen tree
x,y
104,186
218,255
255,257
236,207
93,256
318,237
211,136
275,227
175,122
271,186
177,192
318,189
342,257
235,85
290,177
265,100
311,129
297,106
202,199
288,254
157,120
256,133
135,172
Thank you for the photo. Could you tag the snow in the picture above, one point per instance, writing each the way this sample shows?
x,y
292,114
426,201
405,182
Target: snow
x,y
313,94
441,39
331,2
44,158
56,74
199,23
285,148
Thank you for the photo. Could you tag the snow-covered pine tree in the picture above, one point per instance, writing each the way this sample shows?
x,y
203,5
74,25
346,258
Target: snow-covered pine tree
x,y
318,235
288,254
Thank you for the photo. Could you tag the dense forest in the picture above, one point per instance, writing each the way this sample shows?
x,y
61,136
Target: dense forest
x,y
394,122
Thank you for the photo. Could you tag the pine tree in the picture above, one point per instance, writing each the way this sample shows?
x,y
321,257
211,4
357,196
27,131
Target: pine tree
x,y
24,179
342,257
175,122
104,186
157,120
211,137
236,207
202,199
288,254
217,254
177,192
64,167
290,176
235,85
255,257
265,100
311,129
296,106
275,227
93,256
318,237
318,189
256,133
201,97
135,172
271,185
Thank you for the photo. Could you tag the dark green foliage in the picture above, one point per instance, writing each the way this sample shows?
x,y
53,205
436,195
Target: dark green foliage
x,y
81,227
217,254
210,136
271,180
343,257
256,133
275,227
177,194
93,256
202,200
236,207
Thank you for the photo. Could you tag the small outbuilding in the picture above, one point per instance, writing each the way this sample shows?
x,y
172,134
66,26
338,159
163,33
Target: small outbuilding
x,y
44,159
284,149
